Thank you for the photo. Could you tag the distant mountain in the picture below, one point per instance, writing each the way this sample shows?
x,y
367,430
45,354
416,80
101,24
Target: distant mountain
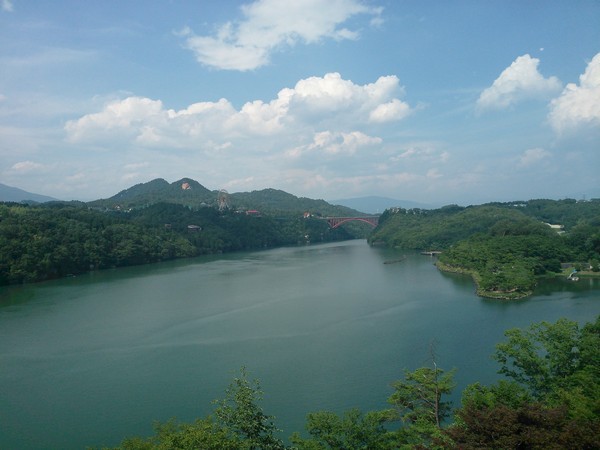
x,y
190,193
13,194
376,205
186,192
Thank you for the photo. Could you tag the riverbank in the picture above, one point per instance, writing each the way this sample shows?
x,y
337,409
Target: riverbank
x,y
498,295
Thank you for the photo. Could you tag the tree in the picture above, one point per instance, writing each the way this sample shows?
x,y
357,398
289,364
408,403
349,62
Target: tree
x,y
553,399
240,412
528,426
201,434
353,430
418,403
238,423
548,358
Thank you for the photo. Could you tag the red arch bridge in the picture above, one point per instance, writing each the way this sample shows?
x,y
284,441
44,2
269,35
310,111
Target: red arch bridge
x,y
335,222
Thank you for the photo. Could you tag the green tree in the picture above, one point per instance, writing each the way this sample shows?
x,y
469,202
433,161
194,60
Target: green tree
x,y
354,430
239,423
528,426
418,402
241,413
201,434
552,400
549,358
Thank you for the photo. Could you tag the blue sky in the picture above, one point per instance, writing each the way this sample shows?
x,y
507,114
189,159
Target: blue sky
x,y
433,101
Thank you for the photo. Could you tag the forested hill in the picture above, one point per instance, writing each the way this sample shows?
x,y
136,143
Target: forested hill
x,y
156,221
192,194
59,239
504,246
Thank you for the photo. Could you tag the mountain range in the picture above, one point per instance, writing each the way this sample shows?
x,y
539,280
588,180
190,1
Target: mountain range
x,y
189,192
13,194
376,205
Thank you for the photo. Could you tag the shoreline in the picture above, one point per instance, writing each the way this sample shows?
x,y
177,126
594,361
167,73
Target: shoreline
x,y
496,295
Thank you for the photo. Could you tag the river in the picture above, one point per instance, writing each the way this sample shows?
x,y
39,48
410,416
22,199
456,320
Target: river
x,y
89,360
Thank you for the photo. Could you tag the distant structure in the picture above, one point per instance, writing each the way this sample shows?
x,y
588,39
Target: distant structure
x,y
223,200
335,222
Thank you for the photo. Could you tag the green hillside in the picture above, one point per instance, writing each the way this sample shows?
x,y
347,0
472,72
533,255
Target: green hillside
x,y
505,247
277,201
185,192
157,221
193,195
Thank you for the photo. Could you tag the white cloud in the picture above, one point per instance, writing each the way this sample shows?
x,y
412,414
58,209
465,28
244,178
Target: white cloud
x,y
328,102
521,80
335,144
533,156
320,127
391,111
578,105
27,166
270,25
129,114
7,6
420,152
334,99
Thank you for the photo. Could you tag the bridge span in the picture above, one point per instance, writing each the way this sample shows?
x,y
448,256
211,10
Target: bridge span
x,y
335,222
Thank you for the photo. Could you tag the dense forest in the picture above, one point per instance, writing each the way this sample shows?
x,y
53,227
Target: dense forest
x,y
505,247
51,240
548,399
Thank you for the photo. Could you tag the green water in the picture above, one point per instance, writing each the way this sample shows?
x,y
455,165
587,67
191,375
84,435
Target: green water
x,y
89,360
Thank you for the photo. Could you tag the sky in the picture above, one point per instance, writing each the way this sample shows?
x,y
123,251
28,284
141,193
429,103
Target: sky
x,y
438,102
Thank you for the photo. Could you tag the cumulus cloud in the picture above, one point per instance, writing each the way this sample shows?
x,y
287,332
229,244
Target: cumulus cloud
x,y
387,112
321,126
578,104
314,102
270,25
127,114
533,156
333,97
520,81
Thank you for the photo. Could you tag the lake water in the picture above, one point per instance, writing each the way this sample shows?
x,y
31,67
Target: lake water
x,y
87,361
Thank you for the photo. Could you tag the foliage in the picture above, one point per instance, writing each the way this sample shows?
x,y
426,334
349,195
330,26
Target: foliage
x,y
58,239
504,246
241,413
238,423
551,401
353,430
509,263
201,434
528,426
557,362
418,403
